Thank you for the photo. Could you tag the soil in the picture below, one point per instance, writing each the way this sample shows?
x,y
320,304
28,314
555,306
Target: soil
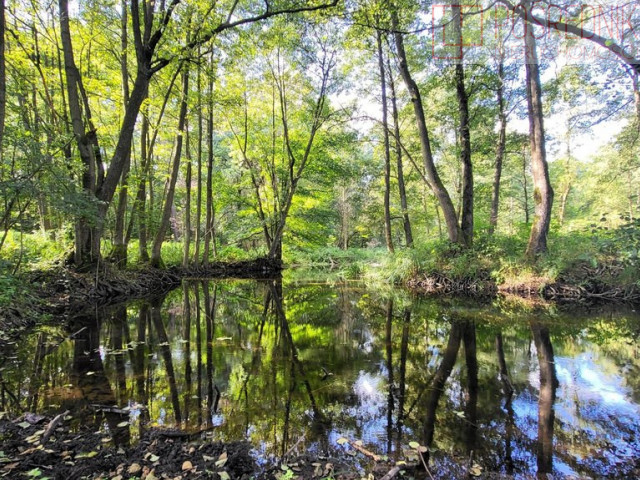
x,y
82,453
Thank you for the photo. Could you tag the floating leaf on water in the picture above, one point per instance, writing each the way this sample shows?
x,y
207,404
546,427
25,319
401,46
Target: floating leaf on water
x,y
475,470
414,445
342,441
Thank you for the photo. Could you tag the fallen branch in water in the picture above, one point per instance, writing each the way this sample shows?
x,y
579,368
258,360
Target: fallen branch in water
x,y
364,451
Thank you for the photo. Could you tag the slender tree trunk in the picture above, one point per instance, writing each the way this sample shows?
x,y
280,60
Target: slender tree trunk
x,y
543,192
408,234
466,216
198,236
387,153
187,207
209,220
141,211
156,250
636,96
563,202
3,78
120,241
525,188
449,211
500,148
87,238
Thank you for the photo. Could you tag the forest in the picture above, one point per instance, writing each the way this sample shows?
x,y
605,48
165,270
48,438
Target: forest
x,y
495,138
291,239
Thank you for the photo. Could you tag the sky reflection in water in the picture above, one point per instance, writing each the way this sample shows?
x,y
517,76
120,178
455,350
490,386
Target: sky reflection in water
x,y
319,362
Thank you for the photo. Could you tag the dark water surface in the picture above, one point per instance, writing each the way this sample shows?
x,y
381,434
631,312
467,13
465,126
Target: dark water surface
x,y
520,389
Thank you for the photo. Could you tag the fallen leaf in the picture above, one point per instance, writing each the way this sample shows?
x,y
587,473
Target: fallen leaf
x,y
342,441
134,469
475,470
222,459
187,465
224,476
414,445
122,424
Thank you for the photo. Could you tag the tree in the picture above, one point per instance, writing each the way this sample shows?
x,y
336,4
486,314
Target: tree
x,y
150,25
543,192
431,173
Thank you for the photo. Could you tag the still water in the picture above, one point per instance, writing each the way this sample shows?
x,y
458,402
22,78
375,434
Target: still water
x,y
519,389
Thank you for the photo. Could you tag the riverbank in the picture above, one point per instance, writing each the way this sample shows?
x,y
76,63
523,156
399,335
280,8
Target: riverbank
x,y
59,448
61,292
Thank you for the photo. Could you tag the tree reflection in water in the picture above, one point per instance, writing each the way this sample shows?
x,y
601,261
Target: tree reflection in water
x,y
301,365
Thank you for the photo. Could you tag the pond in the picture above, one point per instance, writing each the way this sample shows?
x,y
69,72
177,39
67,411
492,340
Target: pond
x,y
507,386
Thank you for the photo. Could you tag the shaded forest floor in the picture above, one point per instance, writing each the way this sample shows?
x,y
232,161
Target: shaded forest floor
x,y
38,447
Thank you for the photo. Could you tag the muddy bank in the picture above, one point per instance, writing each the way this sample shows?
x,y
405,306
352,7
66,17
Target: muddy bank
x,y
61,293
61,448
587,291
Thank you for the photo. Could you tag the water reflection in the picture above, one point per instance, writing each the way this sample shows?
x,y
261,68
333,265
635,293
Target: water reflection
x,y
294,368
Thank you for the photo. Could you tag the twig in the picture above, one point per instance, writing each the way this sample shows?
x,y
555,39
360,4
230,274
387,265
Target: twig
x,y
392,473
53,424
293,447
424,464
361,449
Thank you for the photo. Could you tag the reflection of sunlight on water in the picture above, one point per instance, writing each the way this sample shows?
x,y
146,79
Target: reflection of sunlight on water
x,y
368,389
367,341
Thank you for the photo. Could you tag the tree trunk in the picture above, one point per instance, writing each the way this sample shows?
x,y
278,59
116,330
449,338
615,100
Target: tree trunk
x,y
466,216
387,153
525,188
87,238
563,202
636,96
3,78
543,193
119,253
156,250
187,207
208,228
198,239
500,148
449,211
408,234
